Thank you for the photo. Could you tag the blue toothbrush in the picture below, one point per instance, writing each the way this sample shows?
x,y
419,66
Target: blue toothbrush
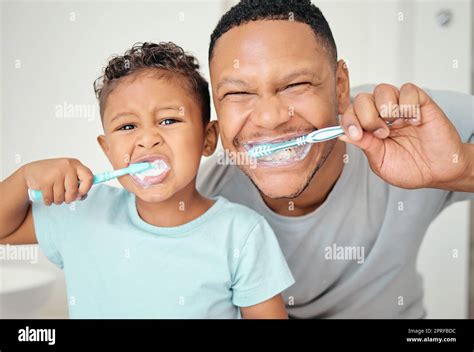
x,y
36,195
317,136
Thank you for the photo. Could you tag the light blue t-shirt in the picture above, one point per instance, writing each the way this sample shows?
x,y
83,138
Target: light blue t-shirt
x,y
118,266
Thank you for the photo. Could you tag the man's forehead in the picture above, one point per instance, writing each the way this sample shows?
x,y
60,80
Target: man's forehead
x,y
259,36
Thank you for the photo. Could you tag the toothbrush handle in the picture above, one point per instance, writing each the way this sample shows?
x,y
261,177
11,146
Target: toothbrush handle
x,y
37,196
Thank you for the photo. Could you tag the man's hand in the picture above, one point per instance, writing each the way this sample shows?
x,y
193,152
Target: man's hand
x,y
421,150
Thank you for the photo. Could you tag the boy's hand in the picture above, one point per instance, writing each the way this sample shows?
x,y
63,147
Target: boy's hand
x,y
58,179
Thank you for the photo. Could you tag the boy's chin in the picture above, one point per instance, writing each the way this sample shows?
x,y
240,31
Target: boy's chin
x,y
153,194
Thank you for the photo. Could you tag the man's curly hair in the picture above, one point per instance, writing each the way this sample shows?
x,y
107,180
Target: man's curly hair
x,y
168,58
290,10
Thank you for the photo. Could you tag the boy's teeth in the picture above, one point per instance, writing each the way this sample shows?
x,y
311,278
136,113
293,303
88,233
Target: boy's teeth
x,y
159,167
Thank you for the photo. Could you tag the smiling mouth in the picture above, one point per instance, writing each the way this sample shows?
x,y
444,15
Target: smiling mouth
x,y
152,176
281,158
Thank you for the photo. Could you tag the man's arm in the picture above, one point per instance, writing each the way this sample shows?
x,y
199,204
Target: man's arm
x,y
273,308
466,182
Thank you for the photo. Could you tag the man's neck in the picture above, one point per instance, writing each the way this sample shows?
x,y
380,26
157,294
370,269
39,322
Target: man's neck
x,y
317,191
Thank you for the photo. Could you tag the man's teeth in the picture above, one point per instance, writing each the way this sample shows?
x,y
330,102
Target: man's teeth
x,y
280,155
159,167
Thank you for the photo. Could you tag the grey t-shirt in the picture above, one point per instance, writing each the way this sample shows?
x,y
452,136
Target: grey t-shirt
x,y
354,256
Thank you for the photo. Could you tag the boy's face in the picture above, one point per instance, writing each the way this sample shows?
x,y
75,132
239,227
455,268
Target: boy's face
x,y
150,118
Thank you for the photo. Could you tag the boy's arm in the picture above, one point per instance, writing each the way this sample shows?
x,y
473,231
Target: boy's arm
x,y
273,308
16,218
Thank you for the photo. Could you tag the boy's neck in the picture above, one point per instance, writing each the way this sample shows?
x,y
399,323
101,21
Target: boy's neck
x,y
183,207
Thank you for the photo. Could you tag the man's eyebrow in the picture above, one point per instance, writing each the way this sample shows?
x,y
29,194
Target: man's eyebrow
x,y
287,78
229,80
302,72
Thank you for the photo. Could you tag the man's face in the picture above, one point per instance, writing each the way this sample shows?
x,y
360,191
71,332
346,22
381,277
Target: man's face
x,y
148,118
274,81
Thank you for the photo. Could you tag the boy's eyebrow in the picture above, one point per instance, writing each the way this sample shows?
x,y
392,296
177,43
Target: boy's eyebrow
x,y
123,114
171,107
118,116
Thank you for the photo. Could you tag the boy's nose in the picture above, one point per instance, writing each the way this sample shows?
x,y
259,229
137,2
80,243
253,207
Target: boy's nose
x,y
149,140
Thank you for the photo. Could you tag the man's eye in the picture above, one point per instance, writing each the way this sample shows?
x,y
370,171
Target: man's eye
x,y
296,85
236,93
126,127
168,122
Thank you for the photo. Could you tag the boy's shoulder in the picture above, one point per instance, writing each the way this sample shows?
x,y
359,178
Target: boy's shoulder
x,y
238,216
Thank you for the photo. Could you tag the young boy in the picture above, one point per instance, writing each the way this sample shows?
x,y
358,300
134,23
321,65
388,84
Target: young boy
x,y
157,248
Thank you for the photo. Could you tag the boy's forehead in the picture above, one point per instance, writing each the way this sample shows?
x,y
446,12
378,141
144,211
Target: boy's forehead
x,y
148,91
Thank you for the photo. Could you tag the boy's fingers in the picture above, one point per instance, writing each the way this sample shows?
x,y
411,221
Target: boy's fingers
x,y
86,178
71,186
58,193
47,193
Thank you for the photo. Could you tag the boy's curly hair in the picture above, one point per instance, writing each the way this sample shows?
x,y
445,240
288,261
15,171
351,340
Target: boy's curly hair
x,y
167,57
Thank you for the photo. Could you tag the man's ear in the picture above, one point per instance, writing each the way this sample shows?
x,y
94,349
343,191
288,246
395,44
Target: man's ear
x,y
103,144
343,89
211,137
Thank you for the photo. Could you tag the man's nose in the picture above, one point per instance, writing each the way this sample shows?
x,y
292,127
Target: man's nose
x,y
149,138
270,113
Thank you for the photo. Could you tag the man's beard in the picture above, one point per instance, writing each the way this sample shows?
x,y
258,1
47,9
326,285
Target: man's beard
x,y
327,151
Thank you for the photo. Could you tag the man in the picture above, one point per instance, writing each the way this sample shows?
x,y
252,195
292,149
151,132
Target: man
x,y
349,214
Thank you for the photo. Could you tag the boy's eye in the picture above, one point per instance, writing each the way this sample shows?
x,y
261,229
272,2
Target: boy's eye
x,y
126,127
168,122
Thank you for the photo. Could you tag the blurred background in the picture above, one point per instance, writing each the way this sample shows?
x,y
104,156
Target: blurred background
x,y
51,52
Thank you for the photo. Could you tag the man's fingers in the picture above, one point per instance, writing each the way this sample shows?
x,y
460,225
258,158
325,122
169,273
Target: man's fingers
x,y
368,115
351,125
410,103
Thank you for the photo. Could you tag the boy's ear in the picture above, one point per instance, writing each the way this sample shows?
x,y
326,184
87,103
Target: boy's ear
x,y
211,137
103,144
